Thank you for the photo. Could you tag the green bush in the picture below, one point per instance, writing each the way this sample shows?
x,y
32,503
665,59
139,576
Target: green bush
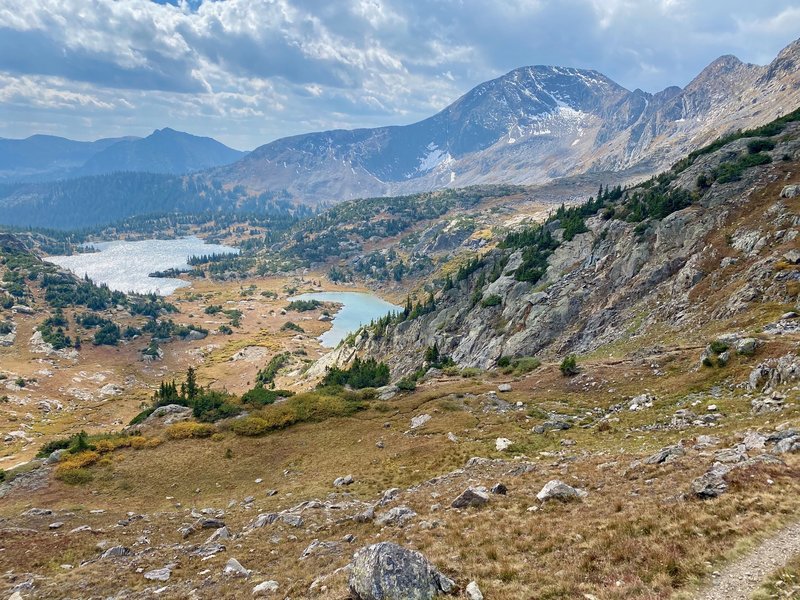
x,y
260,396
210,406
491,300
2,475
569,366
107,335
266,376
289,326
407,384
76,476
304,305
759,144
53,445
718,346
361,374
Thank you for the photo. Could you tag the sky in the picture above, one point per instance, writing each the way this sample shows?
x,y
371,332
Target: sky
x,y
247,72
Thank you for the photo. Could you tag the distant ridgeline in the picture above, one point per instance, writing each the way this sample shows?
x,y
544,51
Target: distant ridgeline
x,y
104,199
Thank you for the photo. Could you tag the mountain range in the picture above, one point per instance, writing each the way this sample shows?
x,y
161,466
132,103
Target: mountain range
x,y
46,158
532,125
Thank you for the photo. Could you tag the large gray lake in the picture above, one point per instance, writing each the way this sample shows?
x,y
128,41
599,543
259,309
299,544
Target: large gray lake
x,y
125,266
358,308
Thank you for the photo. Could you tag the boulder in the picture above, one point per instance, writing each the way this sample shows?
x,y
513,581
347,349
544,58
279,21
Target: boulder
x,y
746,346
159,574
343,481
504,387
115,551
754,441
502,444
387,392
397,516
419,421
471,497
499,489
790,191
666,455
233,568
708,485
265,588
473,592
386,571
558,490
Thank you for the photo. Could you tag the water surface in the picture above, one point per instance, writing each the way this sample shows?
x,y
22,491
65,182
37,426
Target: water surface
x,y
125,266
358,308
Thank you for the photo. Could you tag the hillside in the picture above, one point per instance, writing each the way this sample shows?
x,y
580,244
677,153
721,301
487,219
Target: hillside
x,y
532,125
603,402
662,257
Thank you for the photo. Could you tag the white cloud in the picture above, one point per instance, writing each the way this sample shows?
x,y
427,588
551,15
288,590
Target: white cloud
x,y
248,71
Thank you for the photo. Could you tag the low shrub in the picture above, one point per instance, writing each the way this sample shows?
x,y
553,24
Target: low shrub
x,y
407,384
491,300
76,476
189,429
569,366
309,407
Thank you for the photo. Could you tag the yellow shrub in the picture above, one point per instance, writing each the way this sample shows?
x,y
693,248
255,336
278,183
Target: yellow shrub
x,y
189,429
138,442
154,442
74,476
249,426
217,437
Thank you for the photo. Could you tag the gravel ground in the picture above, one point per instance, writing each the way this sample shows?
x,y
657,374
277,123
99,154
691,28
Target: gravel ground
x,y
740,579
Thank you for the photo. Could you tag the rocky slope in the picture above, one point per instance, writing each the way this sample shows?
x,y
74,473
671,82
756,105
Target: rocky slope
x,y
718,258
531,125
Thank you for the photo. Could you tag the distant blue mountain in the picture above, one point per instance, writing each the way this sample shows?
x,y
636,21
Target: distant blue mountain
x,y
47,158
163,151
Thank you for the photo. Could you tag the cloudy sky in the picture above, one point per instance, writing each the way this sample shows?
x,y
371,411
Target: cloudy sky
x,y
249,71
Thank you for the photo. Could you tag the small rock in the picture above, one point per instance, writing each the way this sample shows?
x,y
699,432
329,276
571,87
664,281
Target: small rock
x,y
500,489
558,490
708,485
473,591
471,497
419,421
233,568
502,444
265,589
504,387
159,574
56,525
746,346
115,551
343,481
665,455
397,516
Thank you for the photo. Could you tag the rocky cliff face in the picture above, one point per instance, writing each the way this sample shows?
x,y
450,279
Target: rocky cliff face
x,y
733,249
531,125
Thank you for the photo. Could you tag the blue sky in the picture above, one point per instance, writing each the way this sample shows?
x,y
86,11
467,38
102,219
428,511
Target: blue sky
x,y
250,71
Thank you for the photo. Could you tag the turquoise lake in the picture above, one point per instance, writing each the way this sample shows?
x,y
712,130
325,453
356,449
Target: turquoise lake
x,y
358,308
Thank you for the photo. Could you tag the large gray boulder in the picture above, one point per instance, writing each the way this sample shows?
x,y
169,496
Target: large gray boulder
x,y
558,490
386,571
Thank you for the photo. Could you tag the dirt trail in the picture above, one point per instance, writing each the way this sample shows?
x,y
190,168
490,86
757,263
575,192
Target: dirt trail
x,y
740,579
